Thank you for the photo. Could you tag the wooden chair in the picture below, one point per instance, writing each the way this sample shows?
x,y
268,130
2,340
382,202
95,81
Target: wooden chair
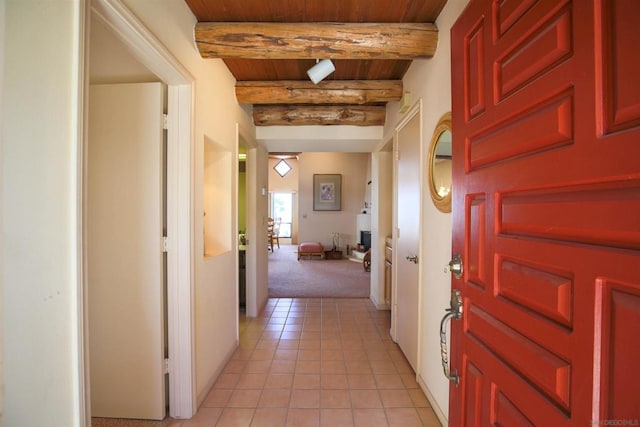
x,y
366,261
273,229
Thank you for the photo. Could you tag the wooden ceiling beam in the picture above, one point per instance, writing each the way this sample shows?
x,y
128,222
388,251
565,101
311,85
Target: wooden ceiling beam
x,y
326,92
301,115
319,40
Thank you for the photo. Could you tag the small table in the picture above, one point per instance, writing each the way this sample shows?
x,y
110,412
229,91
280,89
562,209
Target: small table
x,y
332,254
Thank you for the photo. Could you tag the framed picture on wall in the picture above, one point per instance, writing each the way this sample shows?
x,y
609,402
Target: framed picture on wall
x,y
327,192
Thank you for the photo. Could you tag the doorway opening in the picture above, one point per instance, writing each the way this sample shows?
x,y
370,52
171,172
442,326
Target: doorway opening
x,y
134,40
281,210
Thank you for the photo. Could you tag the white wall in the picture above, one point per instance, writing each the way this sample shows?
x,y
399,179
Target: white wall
x,y
2,24
381,221
216,115
40,212
317,226
41,203
430,80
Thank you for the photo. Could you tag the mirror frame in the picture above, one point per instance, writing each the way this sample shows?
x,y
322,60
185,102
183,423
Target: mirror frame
x,y
442,203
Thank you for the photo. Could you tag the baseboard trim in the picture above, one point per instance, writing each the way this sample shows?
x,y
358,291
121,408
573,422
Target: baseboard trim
x,y
432,401
201,397
379,306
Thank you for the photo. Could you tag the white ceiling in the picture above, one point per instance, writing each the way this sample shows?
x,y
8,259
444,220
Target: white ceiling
x,y
349,139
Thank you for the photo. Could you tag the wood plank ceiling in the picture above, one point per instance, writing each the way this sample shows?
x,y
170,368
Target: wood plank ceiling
x,y
268,45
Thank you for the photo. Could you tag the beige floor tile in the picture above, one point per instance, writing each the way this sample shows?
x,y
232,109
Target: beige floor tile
x,y
333,367
283,366
334,381
257,366
309,354
309,344
403,367
206,417
336,418
303,418
386,381
276,322
332,343
332,355
311,362
382,367
306,381
217,398
244,399
242,354
403,417
361,381
267,345
365,399
285,354
277,398
418,398
378,355
358,367
279,381
235,417
309,333
308,367
291,335
269,417
271,335
288,345
369,418
235,367
304,398
251,381
335,399
409,380
428,417
396,399
355,354
227,381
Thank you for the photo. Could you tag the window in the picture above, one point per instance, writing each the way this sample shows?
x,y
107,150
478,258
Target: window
x,y
282,167
282,210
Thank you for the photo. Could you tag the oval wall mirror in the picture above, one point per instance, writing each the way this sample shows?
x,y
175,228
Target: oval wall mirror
x,y
440,159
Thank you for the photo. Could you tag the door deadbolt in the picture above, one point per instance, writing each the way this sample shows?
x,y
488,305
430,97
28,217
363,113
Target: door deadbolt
x,y
455,267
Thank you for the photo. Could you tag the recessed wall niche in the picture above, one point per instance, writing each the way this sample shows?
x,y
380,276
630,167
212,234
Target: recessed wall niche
x,y
216,198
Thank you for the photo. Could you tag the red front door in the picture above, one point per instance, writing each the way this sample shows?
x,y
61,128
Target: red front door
x,y
546,126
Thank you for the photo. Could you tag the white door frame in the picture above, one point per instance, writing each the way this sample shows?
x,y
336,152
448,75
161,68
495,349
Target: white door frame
x,y
414,112
147,49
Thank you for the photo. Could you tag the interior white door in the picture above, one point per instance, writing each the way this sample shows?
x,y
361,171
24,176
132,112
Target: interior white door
x,y
407,242
125,260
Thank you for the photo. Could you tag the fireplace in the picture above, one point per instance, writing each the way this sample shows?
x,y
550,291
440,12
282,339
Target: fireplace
x,y
365,239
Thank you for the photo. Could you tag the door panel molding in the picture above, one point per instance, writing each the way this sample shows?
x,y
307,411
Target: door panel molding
x,y
546,212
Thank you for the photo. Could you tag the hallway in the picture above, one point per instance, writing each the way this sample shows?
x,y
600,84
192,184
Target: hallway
x,y
314,362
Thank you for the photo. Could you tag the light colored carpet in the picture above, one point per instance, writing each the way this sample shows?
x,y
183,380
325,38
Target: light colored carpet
x,y
313,278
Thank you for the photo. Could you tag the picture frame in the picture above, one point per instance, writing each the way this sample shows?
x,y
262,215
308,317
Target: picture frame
x,y
327,192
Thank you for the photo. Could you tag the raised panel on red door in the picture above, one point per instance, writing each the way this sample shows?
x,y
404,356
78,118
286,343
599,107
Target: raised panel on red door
x,y
546,212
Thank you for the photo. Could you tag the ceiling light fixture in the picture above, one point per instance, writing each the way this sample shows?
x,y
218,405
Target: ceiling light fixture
x,y
321,70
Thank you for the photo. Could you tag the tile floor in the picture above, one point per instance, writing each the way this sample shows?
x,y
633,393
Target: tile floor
x,y
313,362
